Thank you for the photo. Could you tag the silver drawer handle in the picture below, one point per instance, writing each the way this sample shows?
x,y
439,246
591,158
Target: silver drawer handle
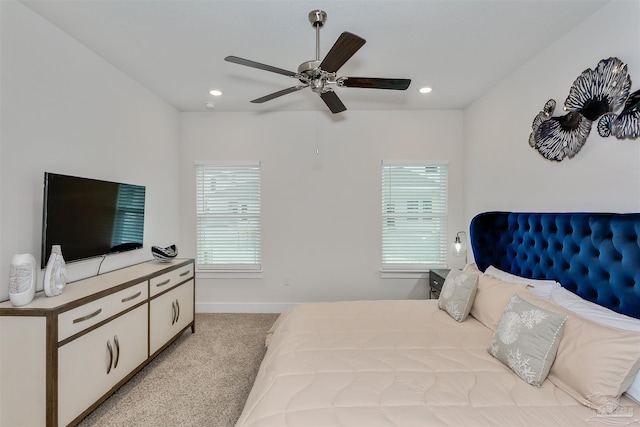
x,y
131,297
185,273
178,314
88,316
115,340
166,282
110,356
173,312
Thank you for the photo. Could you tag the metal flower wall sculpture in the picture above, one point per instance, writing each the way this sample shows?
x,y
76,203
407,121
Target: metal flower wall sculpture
x,y
594,96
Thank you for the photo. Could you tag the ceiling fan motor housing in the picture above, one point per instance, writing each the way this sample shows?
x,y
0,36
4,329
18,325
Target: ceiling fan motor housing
x,y
309,69
310,73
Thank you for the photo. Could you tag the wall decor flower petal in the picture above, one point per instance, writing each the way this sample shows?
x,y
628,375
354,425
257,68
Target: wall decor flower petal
x,y
601,90
594,96
626,125
562,136
544,115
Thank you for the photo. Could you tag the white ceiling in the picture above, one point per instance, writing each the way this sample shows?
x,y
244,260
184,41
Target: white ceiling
x,y
176,48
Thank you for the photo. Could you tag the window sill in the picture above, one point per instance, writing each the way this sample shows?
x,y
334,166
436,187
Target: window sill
x,y
238,274
404,274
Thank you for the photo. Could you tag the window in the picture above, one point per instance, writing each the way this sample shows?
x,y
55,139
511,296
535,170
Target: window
x,y
414,216
228,216
129,219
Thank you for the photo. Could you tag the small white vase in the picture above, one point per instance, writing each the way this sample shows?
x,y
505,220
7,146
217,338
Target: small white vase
x,y
55,275
22,279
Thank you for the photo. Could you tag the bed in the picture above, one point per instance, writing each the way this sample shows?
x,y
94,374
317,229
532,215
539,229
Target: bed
x,y
542,330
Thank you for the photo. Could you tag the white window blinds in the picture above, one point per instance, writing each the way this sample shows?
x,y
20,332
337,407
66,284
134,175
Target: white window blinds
x,y
228,216
414,216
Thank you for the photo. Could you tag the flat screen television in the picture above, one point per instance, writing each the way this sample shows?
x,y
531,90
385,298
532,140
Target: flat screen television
x,y
90,218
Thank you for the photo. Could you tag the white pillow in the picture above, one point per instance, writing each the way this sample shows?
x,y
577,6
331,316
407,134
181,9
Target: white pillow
x,y
542,288
602,315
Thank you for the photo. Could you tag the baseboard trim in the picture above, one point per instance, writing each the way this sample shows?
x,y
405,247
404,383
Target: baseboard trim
x,y
241,307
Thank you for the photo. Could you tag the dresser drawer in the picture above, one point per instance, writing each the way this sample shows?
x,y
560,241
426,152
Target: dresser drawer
x,y
73,321
168,280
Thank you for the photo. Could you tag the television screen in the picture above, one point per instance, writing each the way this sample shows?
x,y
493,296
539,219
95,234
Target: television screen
x,y
89,217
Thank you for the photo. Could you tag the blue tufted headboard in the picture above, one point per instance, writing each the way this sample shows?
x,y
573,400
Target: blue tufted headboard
x,y
595,255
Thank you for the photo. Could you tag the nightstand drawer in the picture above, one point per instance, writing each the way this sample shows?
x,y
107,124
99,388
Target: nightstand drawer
x,y
436,280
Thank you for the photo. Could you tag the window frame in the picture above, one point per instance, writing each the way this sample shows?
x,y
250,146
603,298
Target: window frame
x,y
232,269
416,207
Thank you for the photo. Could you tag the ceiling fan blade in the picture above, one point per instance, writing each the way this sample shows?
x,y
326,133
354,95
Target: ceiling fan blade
x,y
343,49
376,83
333,102
278,94
260,66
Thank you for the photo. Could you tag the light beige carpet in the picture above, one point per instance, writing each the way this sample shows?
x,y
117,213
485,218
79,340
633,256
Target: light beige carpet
x,y
202,379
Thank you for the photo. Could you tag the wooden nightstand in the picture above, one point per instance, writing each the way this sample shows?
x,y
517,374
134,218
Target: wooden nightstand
x,y
436,280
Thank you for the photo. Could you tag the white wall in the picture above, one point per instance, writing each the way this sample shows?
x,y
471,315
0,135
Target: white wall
x,y
505,173
66,110
321,212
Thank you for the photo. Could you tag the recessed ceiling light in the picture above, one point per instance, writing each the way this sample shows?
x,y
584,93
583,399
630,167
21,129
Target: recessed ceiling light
x,y
425,89
210,105
215,92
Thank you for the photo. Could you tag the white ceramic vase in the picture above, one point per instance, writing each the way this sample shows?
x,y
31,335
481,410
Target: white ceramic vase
x,y
55,274
22,279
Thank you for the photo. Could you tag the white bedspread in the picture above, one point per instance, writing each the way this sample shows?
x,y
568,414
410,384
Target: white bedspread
x,y
395,363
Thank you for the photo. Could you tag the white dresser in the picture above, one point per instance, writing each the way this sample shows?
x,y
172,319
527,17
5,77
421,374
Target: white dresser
x,y
60,357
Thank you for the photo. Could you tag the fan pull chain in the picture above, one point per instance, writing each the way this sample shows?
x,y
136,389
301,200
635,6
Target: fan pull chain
x,y
317,132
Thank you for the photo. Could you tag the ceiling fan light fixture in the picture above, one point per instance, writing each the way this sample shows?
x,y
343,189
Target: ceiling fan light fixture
x,y
317,85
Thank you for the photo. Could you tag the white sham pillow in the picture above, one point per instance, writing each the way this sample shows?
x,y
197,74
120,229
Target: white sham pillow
x,y
542,288
602,315
593,311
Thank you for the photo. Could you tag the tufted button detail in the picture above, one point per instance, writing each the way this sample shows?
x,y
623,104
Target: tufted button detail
x,y
599,251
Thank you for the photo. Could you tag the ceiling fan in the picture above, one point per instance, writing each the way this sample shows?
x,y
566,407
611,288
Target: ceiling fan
x,y
321,75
